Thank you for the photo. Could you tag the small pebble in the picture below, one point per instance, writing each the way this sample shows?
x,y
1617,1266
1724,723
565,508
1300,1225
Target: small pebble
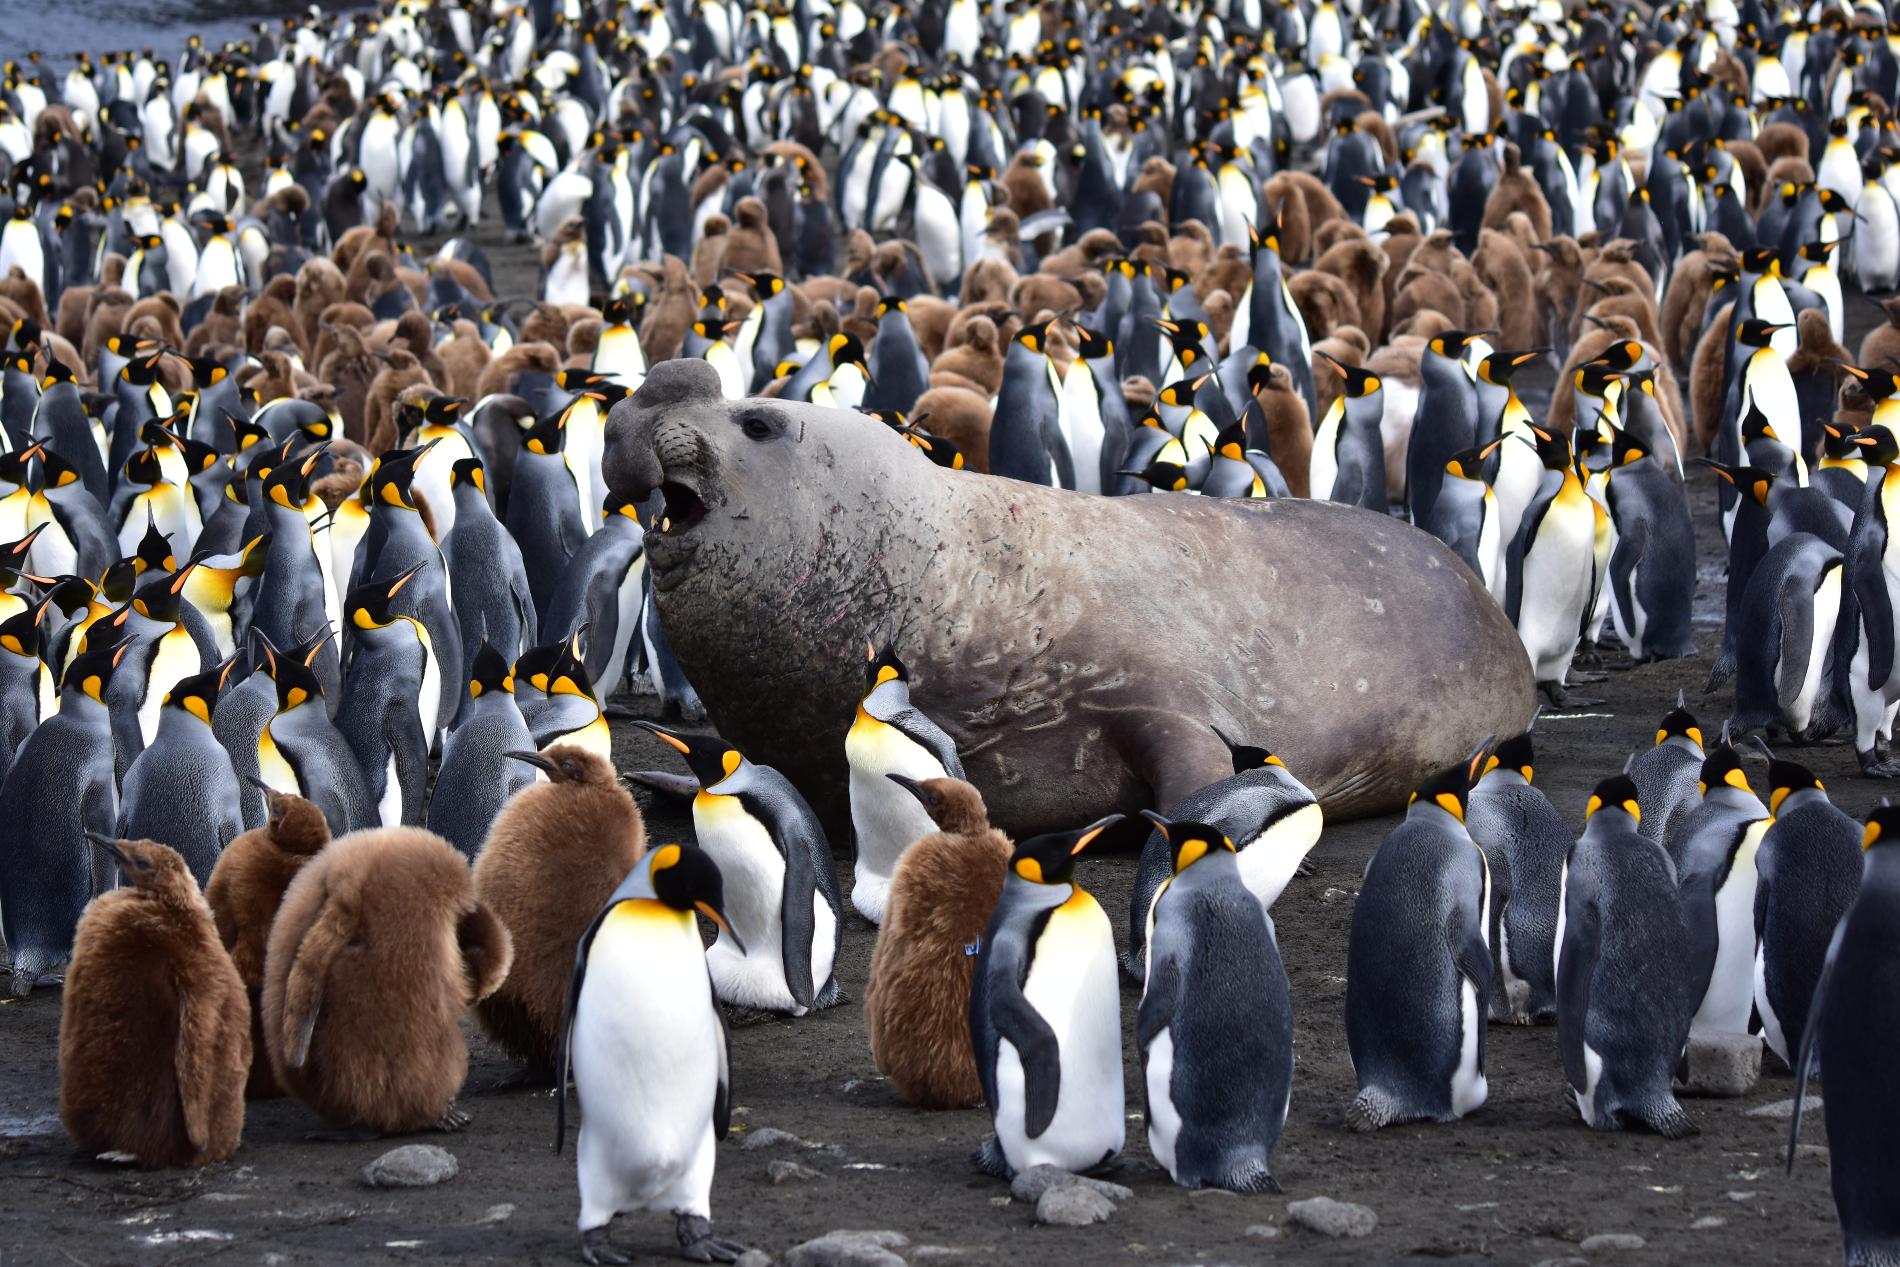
x,y
1333,1218
411,1166
1030,1184
1199,1193
1708,1221
790,1172
1073,1206
769,1137
1783,1109
1264,1232
850,1249
1739,1197
1605,1241
498,1213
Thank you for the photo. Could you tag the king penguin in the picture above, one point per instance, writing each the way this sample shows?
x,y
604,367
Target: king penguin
x,y
181,791
646,1047
1216,1045
1418,965
301,751
1666,774
477,776
1716,867
391,690
1348,462
780,887
1525,840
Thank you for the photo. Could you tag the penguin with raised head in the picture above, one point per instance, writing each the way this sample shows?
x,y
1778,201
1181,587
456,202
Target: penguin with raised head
x,y
246,888
557,698
646,1046
1465,516
889,736
1807,872
162,652
155,1026
1348,462
917,1001
1852,1028
604,590
391,690
1045,1016
1026,438
58,790
899,373
1260,807
553,857
1551,569
398,543
1866,666
780,887
301,751
181,790
1715,861
544,510
1216,1044
1789,612
1667,775
477,775
295,599
492,597
1525,840
1445,423
1418,965
1623,1001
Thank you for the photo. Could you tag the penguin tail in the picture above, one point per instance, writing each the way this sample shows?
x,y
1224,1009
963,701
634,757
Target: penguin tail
x,y
1131,967
988,1158
1249,1176
1371,1109
1721,671
1669,1120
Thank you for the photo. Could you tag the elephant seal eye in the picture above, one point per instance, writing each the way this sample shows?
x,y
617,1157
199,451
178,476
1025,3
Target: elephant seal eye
x,y
757,426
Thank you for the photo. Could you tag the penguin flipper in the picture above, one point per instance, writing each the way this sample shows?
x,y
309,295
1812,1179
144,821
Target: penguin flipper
x,y
1796,602
929,736
1876,614
1698,916
722,1089
487,951
200,1006
1631,543
565,1060
1804,1063
328,934
1014,1018
797,919
1576,969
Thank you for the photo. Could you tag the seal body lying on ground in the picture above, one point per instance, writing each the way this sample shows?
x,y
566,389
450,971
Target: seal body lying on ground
x,y
1078,649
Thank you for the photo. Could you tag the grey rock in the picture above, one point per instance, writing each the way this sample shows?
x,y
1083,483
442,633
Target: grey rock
x,y
1603,1242
1708,1221
1739,1197
1030,1184
790,1172
498,1213
753,1258
1783,1109
1263,1232
770,1137
1218,1193
1333,1218
1072,1205
850,1249
1723,1064
411,1166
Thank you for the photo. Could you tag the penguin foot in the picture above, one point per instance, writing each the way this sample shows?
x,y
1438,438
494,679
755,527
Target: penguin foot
x,y
1875,765
1555,695
746,1017
989,1159
1369,1110
1671,1122
1588,679
596,1250
699,1244
1251,1177
452,1120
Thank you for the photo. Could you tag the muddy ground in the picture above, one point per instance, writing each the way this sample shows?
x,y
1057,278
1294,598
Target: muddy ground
x,y
1520,1181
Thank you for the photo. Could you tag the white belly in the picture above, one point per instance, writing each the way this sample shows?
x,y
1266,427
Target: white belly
x,y
1827,611
754,875
886,819
1731,986
1770,1023
1468,1088
1164,1123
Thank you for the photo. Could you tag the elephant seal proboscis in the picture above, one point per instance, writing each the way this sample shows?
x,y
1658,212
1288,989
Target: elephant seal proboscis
x,y
1079,649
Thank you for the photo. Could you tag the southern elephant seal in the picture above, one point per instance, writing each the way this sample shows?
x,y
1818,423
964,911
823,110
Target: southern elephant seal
x,y
1079,649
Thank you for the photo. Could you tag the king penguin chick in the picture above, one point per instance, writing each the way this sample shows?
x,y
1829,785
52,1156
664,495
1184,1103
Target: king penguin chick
x,y
1262,807
889,736
647,1049
1525,840
374,1040
1216,1044
1418,966
1045,1016
555,855
247,886
779,883
1622,1002
154,1028
917,1004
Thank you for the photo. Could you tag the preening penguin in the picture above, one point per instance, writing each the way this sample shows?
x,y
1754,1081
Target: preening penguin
x,y
917,1004
1045,1016
246,888
647,1049
779,883
1623,1000
1215,1025
1418,966
154,1028
889,736
554,856
374,1041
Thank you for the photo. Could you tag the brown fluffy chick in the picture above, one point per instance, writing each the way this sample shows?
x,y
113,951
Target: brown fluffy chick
x,y
246,888
155,1027
917,1006
556,853
379,948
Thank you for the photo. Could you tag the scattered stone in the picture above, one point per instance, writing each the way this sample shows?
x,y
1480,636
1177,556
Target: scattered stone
x,y
1810,1150
770,1137
1606,1241
790,1172
1783,1109
498,1213
1333,1218
1030,1184
1739,1197
1199,1193
1723,1064
1263,1232
1706,1222
1072,1205
850,1249
753,1258
411,1166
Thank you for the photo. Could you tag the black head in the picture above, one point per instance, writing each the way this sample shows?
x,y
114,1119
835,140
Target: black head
x,y
1514,753
1883,827
1785,778
1050,859
1679,721
372,605
468,471
296,681
1618,792
1358,382
710,758
1877,446
1723,767
93,667
489,672
687,879
198,695
1245,756
882,665
1450,788
1188,842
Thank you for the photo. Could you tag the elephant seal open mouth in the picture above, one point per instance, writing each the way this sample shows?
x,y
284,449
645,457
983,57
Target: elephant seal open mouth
x,y
1078,649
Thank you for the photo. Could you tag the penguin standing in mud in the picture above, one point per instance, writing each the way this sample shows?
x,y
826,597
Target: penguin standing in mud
x,y
1026,439
155,1026
1789,612
1807,871
1418,965
1262,808
1525,840
1551,569
1445,423
1866,665
492,597
1348,462
889,736
780,888
1852,1029
1216,1044
646,1046
1623,1001
1045,1016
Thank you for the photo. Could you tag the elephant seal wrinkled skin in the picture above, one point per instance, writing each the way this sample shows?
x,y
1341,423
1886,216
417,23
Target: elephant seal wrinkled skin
x,y
1077,648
